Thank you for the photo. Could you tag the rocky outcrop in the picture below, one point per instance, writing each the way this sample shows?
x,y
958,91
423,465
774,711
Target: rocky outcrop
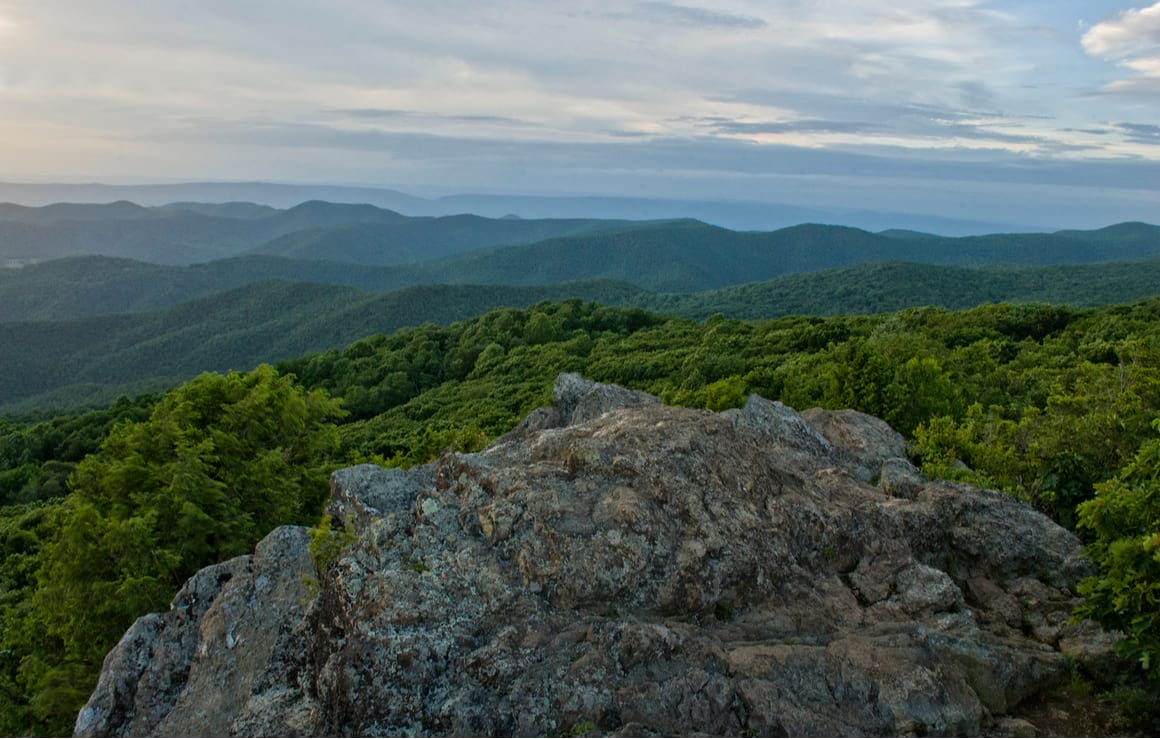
x,y
617,566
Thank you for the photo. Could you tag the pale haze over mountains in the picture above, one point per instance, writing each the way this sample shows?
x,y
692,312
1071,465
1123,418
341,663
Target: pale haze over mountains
x,y
734,214
961,115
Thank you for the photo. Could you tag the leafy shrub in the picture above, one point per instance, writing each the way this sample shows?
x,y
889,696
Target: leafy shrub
x,y
327,543
220,462
1123,520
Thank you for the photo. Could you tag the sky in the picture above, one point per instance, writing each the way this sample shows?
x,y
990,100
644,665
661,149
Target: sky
x,y
1024,111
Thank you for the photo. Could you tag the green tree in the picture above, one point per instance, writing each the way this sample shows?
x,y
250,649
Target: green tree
x,y
1123,521
542,329
921,390
857,378
219,463
726,393
23,529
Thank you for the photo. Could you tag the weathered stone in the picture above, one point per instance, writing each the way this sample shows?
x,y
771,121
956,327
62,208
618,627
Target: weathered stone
x,y
367,491
616,566
1093,651
865,440
1015,727
233,630
995,601
780,426
898,477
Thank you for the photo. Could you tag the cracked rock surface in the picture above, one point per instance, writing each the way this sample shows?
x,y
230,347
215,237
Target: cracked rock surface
x,y
622,567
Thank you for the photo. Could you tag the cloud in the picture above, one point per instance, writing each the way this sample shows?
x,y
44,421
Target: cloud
x,y
808,125
926,127
376,114
943,132
1133,32
976,94
1091,131
1140,133
700,17
1132,41
685,158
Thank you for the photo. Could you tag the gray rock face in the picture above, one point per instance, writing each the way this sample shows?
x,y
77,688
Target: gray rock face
x,y
234,632
645,569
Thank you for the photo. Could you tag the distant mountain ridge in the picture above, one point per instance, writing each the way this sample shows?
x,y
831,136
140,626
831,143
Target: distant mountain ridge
x,y
680,254
734,214
683,256
57,212
686,256
193,234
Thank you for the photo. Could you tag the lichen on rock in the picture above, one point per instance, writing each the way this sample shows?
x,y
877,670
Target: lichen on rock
x,y
623,567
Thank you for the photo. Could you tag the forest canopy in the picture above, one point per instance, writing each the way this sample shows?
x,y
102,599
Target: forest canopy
x,y
1056,406
218,463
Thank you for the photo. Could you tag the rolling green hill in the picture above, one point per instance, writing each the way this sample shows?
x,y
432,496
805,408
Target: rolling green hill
x,y
686,256
91,355
73,362
892,286
169,237
81,329
420,239
81,362
678,256
63,212
690,256
80,287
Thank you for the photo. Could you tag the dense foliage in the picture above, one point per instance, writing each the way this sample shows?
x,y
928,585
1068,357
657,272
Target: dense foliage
x,y
37,458
218,464
1055,405
1123,520
892,286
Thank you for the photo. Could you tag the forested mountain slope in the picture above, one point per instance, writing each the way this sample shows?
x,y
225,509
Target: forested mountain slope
x,y
78,362
421,239
90,286
687,256
79,287
66,362
890,286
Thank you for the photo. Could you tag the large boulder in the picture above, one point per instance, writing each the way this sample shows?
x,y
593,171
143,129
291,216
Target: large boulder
x,y
617,566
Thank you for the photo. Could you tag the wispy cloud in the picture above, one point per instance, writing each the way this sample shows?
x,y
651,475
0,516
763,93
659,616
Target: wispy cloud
x,y
807,125
1143,133
380,114
699,17
1090,131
